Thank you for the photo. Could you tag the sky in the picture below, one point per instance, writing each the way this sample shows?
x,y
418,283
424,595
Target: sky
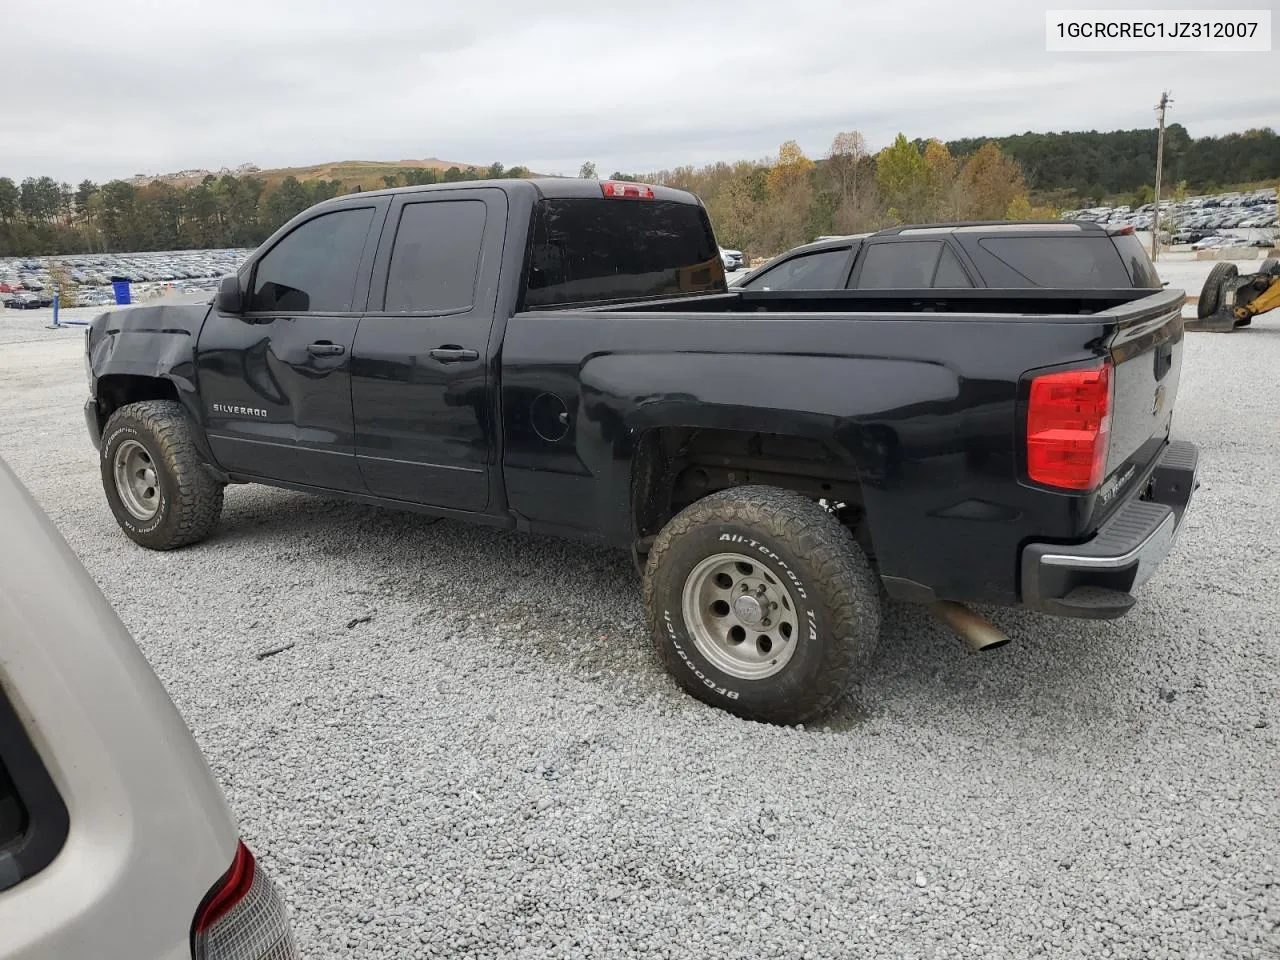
x,y
101,90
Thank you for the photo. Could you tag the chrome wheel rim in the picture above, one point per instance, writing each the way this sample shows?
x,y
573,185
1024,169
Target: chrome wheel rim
x,y
740,615
137,480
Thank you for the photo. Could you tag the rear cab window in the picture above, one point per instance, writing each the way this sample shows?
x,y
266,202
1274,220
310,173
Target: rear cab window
x,y
585,250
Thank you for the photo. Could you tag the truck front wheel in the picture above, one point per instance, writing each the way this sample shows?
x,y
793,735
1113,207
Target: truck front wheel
x,y
156,484
759,602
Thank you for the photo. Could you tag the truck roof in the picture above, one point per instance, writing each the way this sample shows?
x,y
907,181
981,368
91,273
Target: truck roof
x,y
997,226
545,188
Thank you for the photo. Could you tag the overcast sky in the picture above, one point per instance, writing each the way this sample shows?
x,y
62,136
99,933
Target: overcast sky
x,y
106,89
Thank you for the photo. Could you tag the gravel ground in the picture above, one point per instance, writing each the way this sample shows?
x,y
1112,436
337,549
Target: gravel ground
x,y
469,751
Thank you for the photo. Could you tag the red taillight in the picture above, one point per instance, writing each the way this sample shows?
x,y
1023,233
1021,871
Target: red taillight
x,y
1123,231
232,888
616,188
1068,427
242,917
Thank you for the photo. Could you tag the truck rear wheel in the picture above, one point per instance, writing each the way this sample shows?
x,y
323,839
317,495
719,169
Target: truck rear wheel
x,y
759,602
156,484
1211,292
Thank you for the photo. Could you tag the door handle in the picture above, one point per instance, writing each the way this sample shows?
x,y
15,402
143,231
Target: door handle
x,y
453,354
325,349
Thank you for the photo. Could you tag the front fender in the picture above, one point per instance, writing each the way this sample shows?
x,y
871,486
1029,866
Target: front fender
x,y
155,342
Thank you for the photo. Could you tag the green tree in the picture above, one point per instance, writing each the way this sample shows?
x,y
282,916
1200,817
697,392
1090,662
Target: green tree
x,y
588,171
903,179
10,200
1019,208
496,171
417,176
946,199
454,175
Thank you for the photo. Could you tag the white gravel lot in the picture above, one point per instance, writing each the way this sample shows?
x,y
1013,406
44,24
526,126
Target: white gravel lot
x,y
470,752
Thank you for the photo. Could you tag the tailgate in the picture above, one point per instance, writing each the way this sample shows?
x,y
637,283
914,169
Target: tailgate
x,y
1146,353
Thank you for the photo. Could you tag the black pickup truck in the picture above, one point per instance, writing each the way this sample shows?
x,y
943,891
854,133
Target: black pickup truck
x,y
564,357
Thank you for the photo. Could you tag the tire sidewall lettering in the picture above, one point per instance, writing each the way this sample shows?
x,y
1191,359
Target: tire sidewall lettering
x,y
706,681
128,431
793,579
679,641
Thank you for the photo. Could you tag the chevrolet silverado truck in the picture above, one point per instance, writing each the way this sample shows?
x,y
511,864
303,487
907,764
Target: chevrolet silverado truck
x,y
565,357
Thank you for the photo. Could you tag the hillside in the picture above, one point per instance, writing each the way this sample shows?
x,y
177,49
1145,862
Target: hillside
x,y
367,174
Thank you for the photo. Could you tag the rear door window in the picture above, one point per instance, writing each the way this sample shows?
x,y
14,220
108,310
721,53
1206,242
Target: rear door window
x,y
906,265
436,257
313,269
1062,262
824,270
596,251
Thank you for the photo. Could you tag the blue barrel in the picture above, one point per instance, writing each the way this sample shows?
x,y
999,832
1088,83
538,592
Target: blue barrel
x,y
121,287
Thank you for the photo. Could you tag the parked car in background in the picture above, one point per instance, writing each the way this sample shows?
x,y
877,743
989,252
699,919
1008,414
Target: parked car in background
x,y
1061,255
732,259
115,840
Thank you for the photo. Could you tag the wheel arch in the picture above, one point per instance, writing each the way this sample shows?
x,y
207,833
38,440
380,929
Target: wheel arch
x,y
675,466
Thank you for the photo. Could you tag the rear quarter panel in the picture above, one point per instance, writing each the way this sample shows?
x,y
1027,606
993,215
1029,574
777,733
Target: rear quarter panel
x,y
923,409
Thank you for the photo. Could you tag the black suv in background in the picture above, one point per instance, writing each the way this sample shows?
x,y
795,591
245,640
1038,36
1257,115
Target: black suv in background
x,y
1058,254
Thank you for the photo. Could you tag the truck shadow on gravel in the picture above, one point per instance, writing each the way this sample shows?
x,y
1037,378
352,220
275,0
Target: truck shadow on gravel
x,y
578,608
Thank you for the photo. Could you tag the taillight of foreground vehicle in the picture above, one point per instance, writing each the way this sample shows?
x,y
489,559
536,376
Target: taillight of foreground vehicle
x,y
1069,427
243,917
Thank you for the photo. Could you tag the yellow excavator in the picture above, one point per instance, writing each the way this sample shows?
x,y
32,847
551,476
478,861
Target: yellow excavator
x,y
1229,300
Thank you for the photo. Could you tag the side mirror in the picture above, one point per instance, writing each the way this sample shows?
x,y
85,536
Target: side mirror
x,y
230,298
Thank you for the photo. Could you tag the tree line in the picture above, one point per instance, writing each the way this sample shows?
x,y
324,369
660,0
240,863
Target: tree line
x,y
767,206
1083,169
762,206
40,216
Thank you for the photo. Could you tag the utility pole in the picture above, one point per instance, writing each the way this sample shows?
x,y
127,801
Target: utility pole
x,y
1155,221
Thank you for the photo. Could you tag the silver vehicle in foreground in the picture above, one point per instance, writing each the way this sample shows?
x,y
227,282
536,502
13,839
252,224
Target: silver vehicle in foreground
x,y
115,841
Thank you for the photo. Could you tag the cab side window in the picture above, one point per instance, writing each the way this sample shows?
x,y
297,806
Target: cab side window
x,y
313,269
436,257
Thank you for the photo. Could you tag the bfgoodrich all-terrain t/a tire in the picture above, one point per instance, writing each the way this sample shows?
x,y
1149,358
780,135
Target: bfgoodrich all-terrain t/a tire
x,y
759,602
156,484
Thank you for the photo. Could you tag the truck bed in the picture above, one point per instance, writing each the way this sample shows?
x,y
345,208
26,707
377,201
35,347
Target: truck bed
x,y
920,395
1016,304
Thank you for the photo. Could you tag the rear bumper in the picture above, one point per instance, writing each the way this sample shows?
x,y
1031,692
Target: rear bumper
x,y
1096,579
